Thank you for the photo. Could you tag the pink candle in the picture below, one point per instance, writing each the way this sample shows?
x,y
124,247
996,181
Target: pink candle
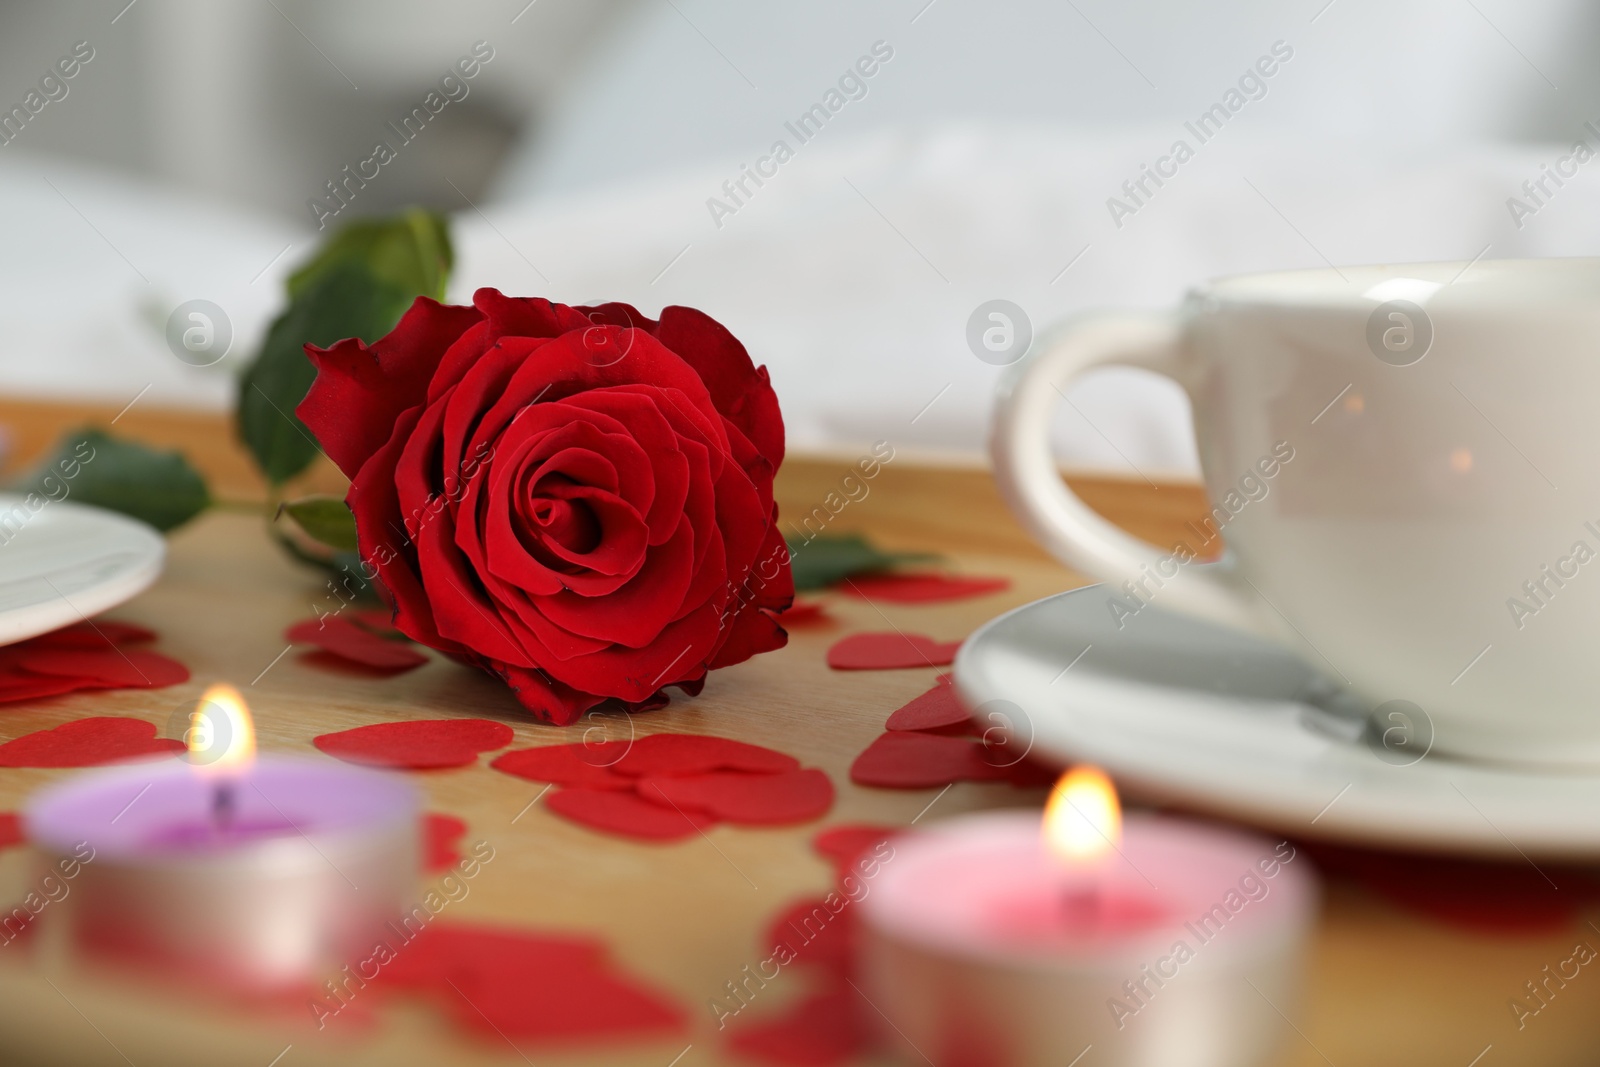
x,y
990,941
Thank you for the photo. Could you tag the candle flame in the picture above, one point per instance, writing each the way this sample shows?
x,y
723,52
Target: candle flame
x,y
221,736
1082,819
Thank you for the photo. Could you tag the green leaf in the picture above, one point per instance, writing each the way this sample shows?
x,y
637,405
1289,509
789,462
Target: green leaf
x,y
345,300
343,568
325,519
349,568
826,560
410,251
358,284
92,467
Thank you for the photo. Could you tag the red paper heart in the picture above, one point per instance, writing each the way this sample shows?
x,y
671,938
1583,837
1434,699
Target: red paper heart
x,y
516,984
97,634
824,1029
627,814
1025,773
937,709
921,587
903,760
754,799
10,829
1485,896
378,620
87,743
466,952
86,655
804,613
584,1004
106,667
842,845
683,754
347,640
888,651
17,684
422,744
441,841
582,764
816,934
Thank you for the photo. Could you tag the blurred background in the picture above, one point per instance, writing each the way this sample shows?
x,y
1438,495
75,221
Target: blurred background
x,y
938,155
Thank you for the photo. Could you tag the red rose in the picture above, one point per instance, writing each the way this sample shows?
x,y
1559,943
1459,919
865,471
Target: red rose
x,y
578,499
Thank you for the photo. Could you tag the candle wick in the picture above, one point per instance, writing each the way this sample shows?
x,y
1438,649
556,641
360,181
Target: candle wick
x,y
222,805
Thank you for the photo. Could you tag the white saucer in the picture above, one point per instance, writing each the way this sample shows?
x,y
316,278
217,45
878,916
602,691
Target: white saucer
x,y
67,562
1185,712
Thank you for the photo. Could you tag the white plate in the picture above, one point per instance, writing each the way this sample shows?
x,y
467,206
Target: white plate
x,y
1187,712
67,562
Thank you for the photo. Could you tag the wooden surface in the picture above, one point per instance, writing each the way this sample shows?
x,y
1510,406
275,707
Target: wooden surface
x,y
1386,987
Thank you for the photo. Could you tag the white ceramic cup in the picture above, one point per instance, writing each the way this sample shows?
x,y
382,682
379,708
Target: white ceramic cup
x,y
1405,463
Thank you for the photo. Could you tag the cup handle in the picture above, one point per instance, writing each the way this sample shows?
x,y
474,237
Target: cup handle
x,y
1072,531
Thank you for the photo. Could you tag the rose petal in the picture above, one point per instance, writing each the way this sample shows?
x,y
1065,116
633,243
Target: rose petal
x,y
627,814
751,632
566,366
554,453
741,390
750,799
545,698
738,501
345,639
888,651
421,744
518,316
88,743
921,587
465,353
587,529
462,453
633,674
772,580
669,467
450,584
360,390
635,613
385,543
460,609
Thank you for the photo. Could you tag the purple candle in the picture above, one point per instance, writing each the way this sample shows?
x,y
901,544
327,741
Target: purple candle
x,y
222,868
